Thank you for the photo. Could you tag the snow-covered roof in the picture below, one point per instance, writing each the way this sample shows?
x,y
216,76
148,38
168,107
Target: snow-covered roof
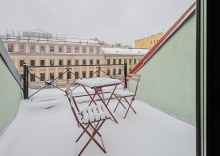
x,y
124,51
40,35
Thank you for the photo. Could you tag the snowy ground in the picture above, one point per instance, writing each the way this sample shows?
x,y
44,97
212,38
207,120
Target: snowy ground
x,y
45,126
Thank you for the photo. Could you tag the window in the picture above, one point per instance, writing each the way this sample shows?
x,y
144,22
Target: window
x,y
51,62
42,76
76,75
32,63
21,63
114,61
135,61
84,62
97,61
108,72
21,48
32,78
10,47
119,71
68,62
76,50
119,61
60,75
60,62
114,71
108,61
91,50
42,62
60,49
125,60
42,48
52,49
76,62
32,48
84,49
68,75
91,62
84,74
97,50
68,49
51,76
129,61
90,73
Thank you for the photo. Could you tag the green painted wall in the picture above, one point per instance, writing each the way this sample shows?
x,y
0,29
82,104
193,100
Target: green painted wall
x,y
10,95
168,79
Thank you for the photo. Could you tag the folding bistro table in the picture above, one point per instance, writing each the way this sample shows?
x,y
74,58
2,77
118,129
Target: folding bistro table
x,y
97,84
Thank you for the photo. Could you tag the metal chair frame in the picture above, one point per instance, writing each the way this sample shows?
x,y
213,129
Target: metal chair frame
x,y
123,95
93,124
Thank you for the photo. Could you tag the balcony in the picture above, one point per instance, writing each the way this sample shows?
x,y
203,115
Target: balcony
x,y
45,126
172,93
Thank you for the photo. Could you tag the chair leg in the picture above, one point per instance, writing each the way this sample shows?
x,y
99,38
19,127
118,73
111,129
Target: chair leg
x,y
129,107
91,137
119,101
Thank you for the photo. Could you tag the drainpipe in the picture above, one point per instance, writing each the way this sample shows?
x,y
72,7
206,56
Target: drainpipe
x,y
25,85
125,74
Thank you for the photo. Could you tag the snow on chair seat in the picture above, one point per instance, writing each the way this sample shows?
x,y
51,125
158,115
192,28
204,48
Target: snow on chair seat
x,y
123,93
94,113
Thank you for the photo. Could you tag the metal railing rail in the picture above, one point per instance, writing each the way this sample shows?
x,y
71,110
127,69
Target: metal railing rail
x,y
51,82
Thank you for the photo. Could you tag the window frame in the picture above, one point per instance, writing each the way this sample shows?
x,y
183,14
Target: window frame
x,y
32,48
10,47
32,62
42,62
42,76
60,62
42,48
51,48
20,49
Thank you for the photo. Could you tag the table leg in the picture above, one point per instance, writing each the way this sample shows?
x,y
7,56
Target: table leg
x,y
92,98
111,95
96,90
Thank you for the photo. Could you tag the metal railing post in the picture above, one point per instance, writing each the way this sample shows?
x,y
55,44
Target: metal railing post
x,y
99,71
125,74
25,85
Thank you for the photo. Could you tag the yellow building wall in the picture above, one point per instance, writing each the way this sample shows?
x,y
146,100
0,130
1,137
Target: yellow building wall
x,y
148,42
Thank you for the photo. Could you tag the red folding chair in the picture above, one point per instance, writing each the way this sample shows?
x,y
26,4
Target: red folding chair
x,y
90,119
123,95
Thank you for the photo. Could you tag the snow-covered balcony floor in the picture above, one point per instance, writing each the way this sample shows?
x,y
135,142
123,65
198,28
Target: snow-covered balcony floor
x,y
45,126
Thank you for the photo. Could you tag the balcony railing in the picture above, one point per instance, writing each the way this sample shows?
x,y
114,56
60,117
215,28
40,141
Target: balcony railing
x,y
100,71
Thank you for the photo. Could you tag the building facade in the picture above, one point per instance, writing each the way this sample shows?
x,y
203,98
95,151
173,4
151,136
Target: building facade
x,y
148,42
49,55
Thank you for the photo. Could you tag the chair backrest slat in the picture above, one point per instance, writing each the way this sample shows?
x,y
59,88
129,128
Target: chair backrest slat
x,y
135,77
72,102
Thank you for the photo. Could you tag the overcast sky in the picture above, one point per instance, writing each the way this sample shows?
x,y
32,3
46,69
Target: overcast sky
x,y
111,21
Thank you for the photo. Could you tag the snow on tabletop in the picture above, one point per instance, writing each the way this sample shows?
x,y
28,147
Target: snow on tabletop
x,y
93,82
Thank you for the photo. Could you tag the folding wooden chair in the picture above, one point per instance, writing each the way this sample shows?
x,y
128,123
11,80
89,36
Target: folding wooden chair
x,y
123,95
90,119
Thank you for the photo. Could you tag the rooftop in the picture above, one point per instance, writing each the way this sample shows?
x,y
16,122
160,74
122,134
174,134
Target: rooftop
x,y
125,51
45,126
